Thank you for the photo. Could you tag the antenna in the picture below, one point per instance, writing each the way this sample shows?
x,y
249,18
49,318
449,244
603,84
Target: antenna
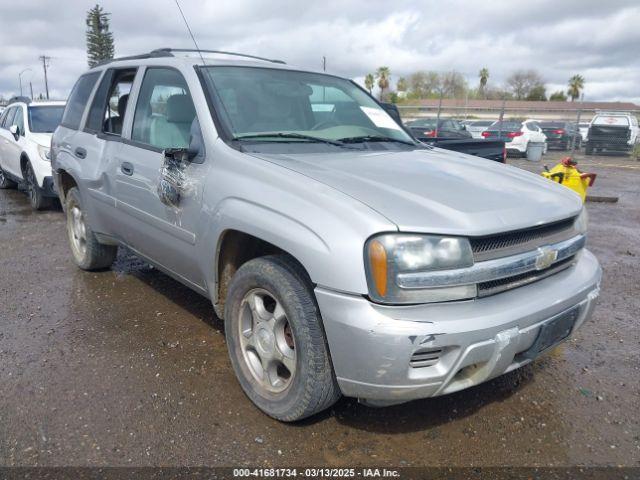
x,y
190,32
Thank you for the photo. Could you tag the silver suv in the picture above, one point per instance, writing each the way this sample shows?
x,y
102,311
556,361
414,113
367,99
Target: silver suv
x,y
345,257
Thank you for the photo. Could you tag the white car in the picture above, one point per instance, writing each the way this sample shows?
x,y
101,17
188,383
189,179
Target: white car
x,y
25,138
518,135
476,127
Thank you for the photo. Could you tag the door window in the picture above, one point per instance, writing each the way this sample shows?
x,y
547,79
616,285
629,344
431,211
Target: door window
x,y
78,100
165,116
110,102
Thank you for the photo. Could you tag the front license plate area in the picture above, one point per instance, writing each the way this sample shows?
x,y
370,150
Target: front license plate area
x,y
553,332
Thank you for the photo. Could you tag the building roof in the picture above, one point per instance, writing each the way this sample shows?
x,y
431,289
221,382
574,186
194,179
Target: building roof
x,y
526,105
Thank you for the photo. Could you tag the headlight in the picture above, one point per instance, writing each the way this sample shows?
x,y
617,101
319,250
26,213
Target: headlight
x,y
390,255
582,221
44,153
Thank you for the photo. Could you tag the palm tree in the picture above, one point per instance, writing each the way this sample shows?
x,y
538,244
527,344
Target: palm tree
x,y
383,74
576,84
484,77
369,81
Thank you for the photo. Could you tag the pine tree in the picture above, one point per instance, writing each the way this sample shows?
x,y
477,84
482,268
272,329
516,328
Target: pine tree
x,y
99,38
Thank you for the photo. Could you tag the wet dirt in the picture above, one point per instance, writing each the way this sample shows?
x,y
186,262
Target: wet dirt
x,y
129,367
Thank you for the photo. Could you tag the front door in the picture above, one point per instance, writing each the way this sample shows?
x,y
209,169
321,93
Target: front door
x,y
13,147
164,118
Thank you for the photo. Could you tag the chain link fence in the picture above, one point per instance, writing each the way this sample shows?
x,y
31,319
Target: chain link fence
x,y
579,128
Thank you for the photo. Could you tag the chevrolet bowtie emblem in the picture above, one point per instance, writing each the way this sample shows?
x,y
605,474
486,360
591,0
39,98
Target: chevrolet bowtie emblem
x,y
545,258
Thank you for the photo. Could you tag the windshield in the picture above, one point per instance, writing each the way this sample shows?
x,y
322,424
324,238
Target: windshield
x,y
45,119
272,105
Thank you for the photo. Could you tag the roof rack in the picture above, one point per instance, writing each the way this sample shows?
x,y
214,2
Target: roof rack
x,y
168,52
142,56
18,98
221,52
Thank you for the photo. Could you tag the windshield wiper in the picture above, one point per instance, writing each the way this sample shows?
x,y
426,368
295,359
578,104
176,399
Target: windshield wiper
x,y
374,138
290,135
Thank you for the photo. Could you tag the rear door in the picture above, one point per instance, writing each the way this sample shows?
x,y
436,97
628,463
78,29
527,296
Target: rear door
x,y
164,118
102,140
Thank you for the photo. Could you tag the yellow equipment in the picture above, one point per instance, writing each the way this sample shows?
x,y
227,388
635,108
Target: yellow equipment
x,y
566,173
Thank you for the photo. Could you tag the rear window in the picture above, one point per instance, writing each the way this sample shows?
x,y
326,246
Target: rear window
x,y
482,123
78,100
552,124
611,120
44,119
506,126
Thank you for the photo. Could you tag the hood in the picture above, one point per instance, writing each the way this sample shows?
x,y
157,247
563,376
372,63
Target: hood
x,y
42,139
438,191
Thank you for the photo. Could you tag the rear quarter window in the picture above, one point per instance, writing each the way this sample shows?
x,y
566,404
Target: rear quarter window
x,y
78,100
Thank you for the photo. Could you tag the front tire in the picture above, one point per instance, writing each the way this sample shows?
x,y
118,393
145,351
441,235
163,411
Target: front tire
x,y
276,341
88,253
36,198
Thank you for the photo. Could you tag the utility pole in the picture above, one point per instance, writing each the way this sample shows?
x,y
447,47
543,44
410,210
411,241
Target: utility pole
x,y
324,63
31,88
45,64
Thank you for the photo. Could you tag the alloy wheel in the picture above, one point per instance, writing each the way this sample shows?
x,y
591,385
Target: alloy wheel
x,y
266,340
77,231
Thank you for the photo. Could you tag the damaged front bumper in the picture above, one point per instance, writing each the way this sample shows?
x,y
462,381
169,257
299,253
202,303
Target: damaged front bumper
x,y
387,354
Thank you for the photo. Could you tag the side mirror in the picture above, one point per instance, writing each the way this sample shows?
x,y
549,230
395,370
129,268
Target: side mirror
x,y
15,131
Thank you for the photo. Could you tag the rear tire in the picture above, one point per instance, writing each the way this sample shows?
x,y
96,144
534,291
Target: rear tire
x,y
287,377
36,198
6,182
88,253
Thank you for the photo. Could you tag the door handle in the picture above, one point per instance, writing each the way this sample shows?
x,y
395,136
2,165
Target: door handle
x,y
80,152
127,168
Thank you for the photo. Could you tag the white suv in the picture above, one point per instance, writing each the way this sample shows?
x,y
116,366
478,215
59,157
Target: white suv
x,y
25,138
517,134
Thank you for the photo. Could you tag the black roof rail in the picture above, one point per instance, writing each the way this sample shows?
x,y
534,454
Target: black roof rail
x,y
142,56
18,98
222,52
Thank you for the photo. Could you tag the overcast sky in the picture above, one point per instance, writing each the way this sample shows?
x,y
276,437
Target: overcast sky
x,y
597,39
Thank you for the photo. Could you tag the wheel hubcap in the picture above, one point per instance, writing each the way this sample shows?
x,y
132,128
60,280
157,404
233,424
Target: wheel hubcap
x,y
77,231
266,340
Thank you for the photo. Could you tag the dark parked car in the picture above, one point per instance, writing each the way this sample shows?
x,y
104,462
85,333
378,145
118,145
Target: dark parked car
x,y
447,128
561,134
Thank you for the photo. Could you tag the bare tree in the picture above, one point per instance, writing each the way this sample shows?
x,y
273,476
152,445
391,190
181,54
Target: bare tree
x,y
521,82
423,84
453,84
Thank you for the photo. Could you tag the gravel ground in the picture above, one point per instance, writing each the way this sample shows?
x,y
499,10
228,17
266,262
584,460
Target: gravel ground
x,y
128,367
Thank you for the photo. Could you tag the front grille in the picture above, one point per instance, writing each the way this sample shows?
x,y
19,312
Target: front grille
x,y
503,244
496,286
425,358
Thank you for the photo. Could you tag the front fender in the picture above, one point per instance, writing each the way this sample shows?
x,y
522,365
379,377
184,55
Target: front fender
x,y
332,256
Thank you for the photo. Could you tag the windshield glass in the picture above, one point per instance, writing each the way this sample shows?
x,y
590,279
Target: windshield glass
x,y
45,119
297,107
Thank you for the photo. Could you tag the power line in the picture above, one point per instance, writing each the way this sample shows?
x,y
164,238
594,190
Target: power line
x,y
45,64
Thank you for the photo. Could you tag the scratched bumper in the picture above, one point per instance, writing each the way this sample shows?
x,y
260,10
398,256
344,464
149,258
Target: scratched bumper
x,y
373,346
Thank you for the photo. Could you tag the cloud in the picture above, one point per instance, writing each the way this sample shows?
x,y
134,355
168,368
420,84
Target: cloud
x,y
559,39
